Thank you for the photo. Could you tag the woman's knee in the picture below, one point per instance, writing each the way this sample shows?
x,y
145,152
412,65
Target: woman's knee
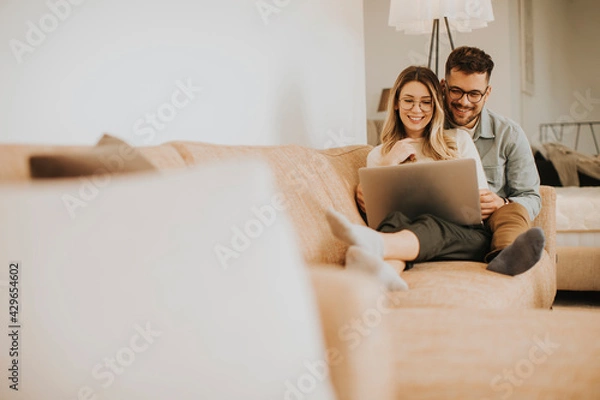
x,y
394,222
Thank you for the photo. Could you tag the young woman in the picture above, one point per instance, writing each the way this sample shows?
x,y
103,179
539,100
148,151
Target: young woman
x,y
413,132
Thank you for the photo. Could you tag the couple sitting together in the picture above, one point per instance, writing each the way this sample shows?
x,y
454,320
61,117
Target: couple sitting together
x,y
429,120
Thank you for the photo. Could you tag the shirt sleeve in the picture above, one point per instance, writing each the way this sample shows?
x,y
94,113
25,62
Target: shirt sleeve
x,y
522,179
467,149
374,157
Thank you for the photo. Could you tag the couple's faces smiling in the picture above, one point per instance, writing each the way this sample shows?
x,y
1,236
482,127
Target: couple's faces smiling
x,y
415,106
465,96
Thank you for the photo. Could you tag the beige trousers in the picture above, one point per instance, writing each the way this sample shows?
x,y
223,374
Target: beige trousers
x,y
506,223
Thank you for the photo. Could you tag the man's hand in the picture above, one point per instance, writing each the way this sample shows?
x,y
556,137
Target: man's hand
x,y
490,202
360,199
403,150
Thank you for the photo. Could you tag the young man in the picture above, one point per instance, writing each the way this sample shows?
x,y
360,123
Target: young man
x,y
514,199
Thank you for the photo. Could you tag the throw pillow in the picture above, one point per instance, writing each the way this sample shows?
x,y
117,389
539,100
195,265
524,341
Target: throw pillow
x,y
110,155
187,285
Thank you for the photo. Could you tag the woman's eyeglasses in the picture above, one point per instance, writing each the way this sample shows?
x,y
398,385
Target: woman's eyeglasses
x,y
407,104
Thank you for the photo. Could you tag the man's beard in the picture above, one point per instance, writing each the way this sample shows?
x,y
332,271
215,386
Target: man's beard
x,y
450,117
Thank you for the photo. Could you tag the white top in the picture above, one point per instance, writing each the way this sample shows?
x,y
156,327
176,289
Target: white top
x,y
464,143
470,131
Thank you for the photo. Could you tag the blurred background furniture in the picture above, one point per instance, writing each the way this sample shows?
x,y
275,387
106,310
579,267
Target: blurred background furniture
x,y
575,175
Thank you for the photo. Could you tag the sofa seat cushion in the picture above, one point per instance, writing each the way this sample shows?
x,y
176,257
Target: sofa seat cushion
x,y
496,354
470,285
311,181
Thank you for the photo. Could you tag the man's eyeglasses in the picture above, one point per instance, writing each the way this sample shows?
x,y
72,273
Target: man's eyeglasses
x,y
474,96
407,104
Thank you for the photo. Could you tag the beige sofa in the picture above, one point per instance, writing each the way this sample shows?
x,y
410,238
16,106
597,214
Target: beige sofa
x,y
454,334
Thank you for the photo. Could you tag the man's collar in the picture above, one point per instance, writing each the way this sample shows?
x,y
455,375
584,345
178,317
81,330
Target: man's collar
x,y
484,121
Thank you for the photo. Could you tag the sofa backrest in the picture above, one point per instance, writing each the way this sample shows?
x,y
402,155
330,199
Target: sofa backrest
x,y
310,180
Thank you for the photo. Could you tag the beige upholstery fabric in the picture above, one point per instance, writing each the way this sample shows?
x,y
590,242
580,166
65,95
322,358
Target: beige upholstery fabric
x,y
363,366
469,284
578,268
163,157
441,353
312,182
470,354
546,219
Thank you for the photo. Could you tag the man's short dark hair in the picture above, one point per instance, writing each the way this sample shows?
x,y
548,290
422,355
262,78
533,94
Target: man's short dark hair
x,y
469,60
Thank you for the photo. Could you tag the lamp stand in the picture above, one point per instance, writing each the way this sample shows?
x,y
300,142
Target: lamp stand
x,y
435,36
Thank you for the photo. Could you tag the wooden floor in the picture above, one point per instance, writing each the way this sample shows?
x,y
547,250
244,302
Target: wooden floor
x,y
577,300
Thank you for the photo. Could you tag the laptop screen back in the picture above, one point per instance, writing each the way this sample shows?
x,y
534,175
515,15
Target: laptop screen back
x,y
447,189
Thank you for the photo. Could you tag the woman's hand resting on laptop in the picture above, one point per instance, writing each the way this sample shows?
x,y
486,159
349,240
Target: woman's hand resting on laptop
x,y
402,151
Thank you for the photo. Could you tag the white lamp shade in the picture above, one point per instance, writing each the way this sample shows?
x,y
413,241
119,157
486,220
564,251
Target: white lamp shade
x,y
416,16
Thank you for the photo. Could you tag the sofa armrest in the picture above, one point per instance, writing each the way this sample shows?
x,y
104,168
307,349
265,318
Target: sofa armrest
x,y
546,219
357,333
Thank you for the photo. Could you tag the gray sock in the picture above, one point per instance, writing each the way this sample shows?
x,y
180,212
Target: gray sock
x,y
360,260
521,255
355,235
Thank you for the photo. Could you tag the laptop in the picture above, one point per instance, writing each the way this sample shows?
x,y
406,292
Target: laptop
x,y
447,189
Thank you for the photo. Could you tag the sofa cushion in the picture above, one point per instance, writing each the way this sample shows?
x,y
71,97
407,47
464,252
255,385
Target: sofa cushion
x,y
496,354
312,181
111,155
141,280
468,284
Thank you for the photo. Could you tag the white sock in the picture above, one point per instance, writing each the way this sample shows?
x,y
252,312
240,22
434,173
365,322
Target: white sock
x,y
355,235
360,260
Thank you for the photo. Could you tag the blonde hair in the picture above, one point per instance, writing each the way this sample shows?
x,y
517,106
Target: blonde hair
x,y
437,144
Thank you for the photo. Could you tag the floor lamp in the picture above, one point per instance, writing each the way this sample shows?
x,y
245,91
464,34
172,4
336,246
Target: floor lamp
x,y
415,17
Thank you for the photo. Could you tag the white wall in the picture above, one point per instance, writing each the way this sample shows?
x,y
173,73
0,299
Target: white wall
x,y
553,77
296,78
566,68
584,23
388,52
